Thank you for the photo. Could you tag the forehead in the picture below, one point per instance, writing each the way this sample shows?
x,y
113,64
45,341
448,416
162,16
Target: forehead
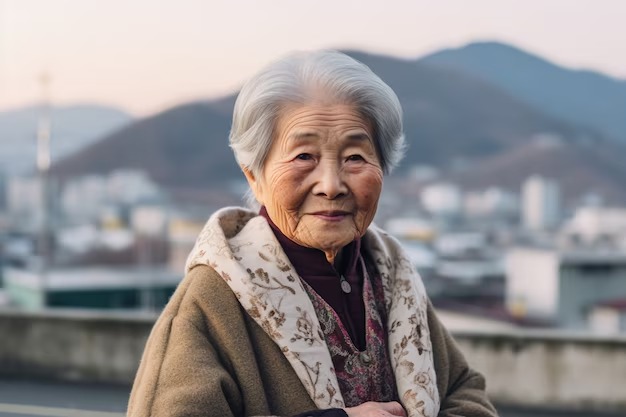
x,y
311,120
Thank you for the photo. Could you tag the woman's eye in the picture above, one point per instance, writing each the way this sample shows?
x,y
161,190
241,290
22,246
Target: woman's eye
x,y
355,158
304,157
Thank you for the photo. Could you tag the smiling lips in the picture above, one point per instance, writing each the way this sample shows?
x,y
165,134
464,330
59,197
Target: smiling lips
x,y
331,215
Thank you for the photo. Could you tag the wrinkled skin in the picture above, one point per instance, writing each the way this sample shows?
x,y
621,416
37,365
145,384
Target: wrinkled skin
x,y
322,178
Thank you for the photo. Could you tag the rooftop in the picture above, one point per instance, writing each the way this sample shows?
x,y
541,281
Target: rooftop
x,y
91,278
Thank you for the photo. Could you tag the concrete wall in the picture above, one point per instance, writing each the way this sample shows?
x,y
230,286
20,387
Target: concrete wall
x,y
550,368
90,346
532,281
528,368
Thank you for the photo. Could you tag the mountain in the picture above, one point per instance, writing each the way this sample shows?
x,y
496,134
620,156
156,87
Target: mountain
x,y
448,115
580,97
451,115
581,168
73,127
186,146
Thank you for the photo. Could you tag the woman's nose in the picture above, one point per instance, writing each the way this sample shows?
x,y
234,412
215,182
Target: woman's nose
x,y
330,181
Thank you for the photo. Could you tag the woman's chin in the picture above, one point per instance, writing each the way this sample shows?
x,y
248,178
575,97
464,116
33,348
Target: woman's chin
x,y
333,244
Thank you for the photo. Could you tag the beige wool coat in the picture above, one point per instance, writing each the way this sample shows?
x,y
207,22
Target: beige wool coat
x,y
207,357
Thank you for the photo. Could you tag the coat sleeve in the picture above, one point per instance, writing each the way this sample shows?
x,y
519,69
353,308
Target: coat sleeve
x,y
461,389
180,375
204,358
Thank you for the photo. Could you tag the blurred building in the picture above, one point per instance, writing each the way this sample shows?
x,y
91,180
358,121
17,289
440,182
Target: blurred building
x,y
562,286
24,196
85,199
149,220
596,226
82,198
183,230
24,202
442,199
492,202
77,241
411,228
468,269
540,203
463,321
608,317
130,186
3,191
90,287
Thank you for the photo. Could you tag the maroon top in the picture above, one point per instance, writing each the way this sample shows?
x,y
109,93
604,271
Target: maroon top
x,y
363,375
313,267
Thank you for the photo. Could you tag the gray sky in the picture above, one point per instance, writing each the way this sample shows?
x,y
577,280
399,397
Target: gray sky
x,y
147,55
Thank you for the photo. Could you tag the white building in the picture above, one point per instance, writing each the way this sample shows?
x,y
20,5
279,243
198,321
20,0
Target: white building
x,y
85,238
24,196
82,198
540,203
591,225
492,201
562,286
131,186
85,199
149,220
608,317
444,199
453,244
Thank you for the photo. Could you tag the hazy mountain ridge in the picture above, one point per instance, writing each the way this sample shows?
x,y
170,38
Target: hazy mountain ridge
x,y
182,147
449,115
582,97
580,169
475,118
73,128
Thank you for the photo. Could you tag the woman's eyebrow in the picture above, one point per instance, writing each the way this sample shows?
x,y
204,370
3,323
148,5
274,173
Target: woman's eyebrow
x,y
360,136
302,135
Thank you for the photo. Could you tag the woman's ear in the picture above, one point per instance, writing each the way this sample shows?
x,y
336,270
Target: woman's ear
x,y
254,184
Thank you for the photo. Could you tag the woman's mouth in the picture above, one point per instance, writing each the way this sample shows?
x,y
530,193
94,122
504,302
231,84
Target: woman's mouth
x,y
331,215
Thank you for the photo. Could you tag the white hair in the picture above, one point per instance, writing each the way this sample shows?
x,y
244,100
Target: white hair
x,y
299,78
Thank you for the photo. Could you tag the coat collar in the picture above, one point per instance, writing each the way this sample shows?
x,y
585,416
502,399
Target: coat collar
x,y
240,246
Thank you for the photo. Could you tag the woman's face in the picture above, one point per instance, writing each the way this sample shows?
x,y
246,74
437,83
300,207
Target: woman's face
x,y
322,178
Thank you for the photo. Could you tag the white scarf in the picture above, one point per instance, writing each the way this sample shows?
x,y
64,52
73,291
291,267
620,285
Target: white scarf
x,y
242,248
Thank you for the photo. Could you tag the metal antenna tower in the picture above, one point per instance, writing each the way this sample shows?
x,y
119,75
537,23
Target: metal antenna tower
x,y
43,166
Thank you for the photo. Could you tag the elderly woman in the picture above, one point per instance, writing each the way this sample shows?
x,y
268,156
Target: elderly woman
x,y
304,307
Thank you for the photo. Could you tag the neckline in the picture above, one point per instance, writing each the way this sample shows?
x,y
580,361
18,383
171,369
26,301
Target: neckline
x,y
368,292
312,262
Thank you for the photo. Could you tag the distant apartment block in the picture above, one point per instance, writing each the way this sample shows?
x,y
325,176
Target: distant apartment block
x,y
562,286
596,226
540,203
490,202
24,201
85,198
442,199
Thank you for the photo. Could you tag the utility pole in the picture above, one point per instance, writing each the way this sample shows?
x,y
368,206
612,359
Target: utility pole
x,y
43,167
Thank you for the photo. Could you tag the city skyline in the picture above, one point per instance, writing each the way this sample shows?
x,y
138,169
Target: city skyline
x,y
145,57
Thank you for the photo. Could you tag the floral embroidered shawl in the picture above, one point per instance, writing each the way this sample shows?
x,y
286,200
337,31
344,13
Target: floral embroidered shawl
x,y
241,247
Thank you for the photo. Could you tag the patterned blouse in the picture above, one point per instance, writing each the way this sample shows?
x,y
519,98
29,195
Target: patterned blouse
x,y
353,327
363,375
